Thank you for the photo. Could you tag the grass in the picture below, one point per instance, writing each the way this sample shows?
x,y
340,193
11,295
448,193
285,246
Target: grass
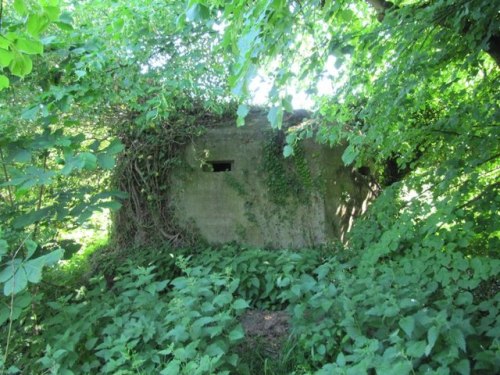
x,y
289,360
74,272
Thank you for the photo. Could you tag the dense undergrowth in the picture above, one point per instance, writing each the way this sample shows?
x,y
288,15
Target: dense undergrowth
x,y
147,311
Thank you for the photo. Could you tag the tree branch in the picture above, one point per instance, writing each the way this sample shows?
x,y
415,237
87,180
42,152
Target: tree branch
x,y
7,179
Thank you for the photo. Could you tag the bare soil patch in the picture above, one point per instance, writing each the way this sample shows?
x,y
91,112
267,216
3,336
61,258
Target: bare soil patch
x,y
268,328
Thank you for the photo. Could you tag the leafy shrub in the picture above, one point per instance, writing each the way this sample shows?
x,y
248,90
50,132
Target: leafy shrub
x,y
421,312
263,274
414,314
184,325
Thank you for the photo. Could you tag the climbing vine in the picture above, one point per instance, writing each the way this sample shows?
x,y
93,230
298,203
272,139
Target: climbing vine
x,y
286,179
144,172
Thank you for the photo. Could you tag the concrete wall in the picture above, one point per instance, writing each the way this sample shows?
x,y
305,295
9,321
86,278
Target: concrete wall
x,y
238,206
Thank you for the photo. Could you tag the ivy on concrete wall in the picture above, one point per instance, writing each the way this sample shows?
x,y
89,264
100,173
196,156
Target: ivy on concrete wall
x,y
287,180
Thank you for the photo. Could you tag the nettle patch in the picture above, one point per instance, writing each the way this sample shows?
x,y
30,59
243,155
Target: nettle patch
x,y
418,313
185,325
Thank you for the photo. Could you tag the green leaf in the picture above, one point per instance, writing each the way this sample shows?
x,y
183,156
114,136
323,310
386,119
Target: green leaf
x,y
84,215
462,367
30,218
112,205
330,369
21,65
151,115
287,103
416,349
9,269
203,321
291,138
236,334
173,368
231,359
223,299
346,15
299,310
115,147
398,368
242,113
66,18
17,282
216,349
106,161
22,156
52,12
5,43
307,282
287,151
6,57
341,360
37,23
31,247
275,117
64,104
4,82
20,7
30,113
197,12
179,333
240,304
464,298
246,42
349,154
407,324
89,160
4,247
214,331
432,336
71,163
67,27
391,352
457,337
31,47
21,301
91,343
53,257
33,269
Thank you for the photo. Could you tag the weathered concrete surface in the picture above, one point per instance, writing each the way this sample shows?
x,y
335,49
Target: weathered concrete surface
x,y
237,205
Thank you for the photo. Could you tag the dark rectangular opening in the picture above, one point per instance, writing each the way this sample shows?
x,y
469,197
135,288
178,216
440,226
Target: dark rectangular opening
x,y
218,166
